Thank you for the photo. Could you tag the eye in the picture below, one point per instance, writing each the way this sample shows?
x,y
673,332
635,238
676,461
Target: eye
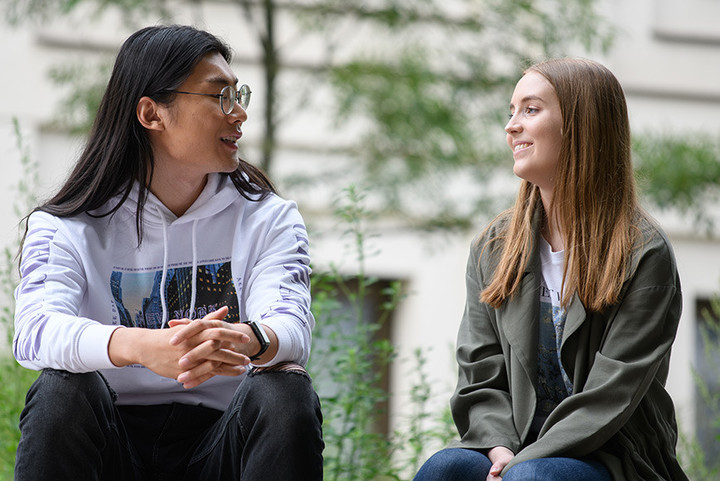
x,y
531,110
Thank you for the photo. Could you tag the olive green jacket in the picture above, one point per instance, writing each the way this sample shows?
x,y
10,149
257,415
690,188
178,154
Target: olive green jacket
x,y
619,411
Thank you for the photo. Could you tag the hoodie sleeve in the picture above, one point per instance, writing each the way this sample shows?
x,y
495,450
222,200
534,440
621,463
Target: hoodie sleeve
x,y
278,288
49,333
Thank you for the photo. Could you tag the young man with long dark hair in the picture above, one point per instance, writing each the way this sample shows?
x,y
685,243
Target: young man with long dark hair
x,y
165,290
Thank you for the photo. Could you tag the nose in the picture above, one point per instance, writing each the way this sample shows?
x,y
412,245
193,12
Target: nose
x,y
238,114
513,125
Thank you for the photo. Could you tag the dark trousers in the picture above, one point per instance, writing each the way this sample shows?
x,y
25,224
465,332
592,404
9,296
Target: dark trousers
x,y
71,429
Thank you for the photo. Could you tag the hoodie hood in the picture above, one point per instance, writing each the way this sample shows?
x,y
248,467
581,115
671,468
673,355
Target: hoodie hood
x,y
214,198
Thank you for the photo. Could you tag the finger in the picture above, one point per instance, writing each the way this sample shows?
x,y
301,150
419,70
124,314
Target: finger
x,y
496,469
198,372
227,371
212,351
207,370
178,322
193,328
218,314
213,339
191,383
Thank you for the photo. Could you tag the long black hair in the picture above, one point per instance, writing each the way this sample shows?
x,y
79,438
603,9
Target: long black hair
x,y
150,63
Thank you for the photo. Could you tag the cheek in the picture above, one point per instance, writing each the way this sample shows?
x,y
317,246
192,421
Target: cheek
x,y
553,141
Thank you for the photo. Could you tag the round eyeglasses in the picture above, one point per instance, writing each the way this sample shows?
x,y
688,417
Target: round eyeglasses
x,y
228,97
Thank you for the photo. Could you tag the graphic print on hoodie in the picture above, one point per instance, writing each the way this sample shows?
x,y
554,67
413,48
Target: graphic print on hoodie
x,y
137,294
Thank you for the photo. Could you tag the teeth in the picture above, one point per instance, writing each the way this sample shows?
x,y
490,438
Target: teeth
x,y
520,146
228,139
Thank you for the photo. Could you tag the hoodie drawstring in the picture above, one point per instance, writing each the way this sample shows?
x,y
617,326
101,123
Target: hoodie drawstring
x,y
194,269
163,302
163,288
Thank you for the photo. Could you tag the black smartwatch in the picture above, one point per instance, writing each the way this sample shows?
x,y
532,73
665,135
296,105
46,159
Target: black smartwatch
x,y
261,337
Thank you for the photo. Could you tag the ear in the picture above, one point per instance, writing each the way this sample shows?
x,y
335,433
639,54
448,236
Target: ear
x,y
150,114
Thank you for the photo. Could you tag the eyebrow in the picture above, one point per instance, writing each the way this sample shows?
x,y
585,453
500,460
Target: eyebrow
x,y
221,80
527,99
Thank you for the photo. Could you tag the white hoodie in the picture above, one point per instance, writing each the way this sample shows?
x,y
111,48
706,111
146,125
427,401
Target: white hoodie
x,y
83,277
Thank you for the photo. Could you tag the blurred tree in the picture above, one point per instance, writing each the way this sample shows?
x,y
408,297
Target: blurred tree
x,y
426,83
430,80
680,173
434,84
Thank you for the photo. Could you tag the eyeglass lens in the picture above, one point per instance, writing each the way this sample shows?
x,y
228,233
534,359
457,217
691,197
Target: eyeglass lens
x,y
228,97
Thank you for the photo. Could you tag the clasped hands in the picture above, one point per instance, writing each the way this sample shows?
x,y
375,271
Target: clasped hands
x,y
213,348
190,351
500,456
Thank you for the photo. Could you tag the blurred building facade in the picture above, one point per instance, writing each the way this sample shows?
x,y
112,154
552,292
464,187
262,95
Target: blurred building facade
x,y
666,55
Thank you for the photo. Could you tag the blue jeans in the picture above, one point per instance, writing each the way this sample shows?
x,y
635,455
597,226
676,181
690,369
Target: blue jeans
x,y
71,429
457,464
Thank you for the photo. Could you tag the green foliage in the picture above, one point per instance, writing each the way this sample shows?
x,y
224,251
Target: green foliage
x,y
699,464
24,200
421,107
77,109
429,75
349,361
14,379
424,425
133,11
676,172
434,83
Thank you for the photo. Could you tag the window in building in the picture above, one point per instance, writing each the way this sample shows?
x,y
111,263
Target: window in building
x,y
707,389
352,350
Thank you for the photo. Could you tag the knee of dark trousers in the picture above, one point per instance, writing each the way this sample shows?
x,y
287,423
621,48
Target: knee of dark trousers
x,y
64,395
284,393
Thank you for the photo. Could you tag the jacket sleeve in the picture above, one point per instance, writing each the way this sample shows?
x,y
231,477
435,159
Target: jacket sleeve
x,y
278,289
638,337
481,405
49,333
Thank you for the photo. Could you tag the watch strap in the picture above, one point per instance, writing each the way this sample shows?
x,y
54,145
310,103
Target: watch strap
x,y
262,338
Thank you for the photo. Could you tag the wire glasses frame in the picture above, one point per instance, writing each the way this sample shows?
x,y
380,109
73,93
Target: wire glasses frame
x,y
228,97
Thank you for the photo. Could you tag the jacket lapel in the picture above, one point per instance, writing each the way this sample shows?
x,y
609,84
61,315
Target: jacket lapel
x,y
576,316
520,318
520,325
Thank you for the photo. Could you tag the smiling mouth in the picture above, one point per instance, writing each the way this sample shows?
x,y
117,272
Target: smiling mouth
x,y
521,146
230,140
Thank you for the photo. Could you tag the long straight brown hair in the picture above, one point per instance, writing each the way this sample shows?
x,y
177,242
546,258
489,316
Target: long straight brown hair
x,y
594,196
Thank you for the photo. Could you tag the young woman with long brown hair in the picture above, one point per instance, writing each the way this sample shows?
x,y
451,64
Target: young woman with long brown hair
x,y
573,301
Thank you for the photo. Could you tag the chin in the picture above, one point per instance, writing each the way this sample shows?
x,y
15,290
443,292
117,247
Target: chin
x,y
518,171
230,167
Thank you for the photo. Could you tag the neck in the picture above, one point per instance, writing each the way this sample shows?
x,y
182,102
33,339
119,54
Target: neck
x,y
177,194
551,228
